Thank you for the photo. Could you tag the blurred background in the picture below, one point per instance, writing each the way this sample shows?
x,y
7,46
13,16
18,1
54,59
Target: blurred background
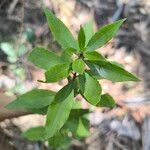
x,y
23,25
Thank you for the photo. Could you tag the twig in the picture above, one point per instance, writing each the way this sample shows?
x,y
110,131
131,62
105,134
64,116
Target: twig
x,y
12,7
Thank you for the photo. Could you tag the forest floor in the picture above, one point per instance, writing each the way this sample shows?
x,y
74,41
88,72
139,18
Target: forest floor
x,y
127,126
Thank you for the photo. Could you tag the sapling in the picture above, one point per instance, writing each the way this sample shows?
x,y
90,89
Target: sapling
x,y
82,66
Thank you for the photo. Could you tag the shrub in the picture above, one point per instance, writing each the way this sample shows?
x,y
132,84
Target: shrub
x,y
83,67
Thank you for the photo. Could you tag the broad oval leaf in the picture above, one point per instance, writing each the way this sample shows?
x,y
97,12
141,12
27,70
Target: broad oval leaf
x,y
43,58
103,35
81,39
78,66
60,32
37,98
93,56
106,101
90,89
111,71
57,73
35,134
59,110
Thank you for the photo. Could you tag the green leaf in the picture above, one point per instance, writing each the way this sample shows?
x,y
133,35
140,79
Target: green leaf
x,y
41,111
36,98
90,89
78,66
43,58
72,123
111,71
35,134
117,64
83,128
57,73
78,112
60,141
67,54
81,38
88,30
94,71
106,101
103,35
60,32
93,56
77,104
59,110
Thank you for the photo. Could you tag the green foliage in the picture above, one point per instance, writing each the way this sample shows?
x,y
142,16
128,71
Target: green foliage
x,y
57,72
59,141
37,98
88,30
43,58
35,134
89,88
60,32
103,35
58,112
81,39
78,66
83,67
111,71
106,101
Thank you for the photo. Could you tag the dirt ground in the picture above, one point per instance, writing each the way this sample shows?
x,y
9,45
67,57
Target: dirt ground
x,y
130,47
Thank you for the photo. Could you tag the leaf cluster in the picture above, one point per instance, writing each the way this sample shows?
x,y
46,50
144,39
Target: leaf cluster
x,y
83,67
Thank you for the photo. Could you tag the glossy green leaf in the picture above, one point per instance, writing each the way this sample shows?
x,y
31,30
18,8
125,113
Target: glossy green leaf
x,y
59,141
88,30
35,134
90,89
78,66
59,110
81,39
43,58
106,101
37,98
103,35
93,56
83,128
57,73
111,72
60,32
